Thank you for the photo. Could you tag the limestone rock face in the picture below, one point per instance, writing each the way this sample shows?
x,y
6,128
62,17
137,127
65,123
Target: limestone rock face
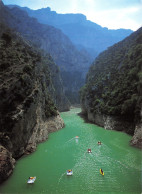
x,y
137,138
111,122
116,123
42,130
6,163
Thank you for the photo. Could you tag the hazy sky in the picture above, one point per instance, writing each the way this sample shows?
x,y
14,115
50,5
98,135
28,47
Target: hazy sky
x,y
113,14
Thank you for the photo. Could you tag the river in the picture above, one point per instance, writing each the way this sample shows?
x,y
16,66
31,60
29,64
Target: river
x,y
120,162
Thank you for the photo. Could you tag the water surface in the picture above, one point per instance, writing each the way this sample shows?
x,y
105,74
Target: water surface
x,y
120,162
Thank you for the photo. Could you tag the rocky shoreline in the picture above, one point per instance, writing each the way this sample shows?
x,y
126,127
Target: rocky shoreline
x,y
115,123
40,134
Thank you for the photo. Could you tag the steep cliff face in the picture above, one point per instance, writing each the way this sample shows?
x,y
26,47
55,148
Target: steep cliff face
x,y
38,36
112,95
72,63
6,163
27,111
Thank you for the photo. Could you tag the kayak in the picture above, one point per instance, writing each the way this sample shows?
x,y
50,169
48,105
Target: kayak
x,y
101,172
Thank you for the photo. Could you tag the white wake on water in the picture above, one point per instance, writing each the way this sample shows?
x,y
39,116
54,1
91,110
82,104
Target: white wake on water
x,y
61,177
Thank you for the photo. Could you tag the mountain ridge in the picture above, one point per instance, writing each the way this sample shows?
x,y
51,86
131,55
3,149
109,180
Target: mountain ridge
x,y
82,32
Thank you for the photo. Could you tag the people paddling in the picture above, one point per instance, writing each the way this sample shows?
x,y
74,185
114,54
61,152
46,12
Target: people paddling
x,y
101,171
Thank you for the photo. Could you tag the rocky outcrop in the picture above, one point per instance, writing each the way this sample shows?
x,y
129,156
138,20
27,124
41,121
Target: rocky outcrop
x,y
115,123
39,134
6,163
106,121
111,122
137,137
42,130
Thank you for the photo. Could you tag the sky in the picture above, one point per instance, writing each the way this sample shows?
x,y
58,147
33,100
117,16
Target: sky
x,y
113,14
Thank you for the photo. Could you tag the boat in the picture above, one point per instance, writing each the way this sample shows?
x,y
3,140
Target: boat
x,y
31,179
101,172
89,151
69,172
99,143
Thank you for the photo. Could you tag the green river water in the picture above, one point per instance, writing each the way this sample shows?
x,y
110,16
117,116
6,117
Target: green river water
x,y
120,162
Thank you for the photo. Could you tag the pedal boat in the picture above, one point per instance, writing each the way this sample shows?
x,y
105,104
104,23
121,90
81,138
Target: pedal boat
x,y
69,172
31,180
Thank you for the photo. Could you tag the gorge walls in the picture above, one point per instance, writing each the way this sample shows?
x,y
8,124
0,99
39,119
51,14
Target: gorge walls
x,y
28,112
112,95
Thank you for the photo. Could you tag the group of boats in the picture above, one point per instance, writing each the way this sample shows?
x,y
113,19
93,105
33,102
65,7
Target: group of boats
x,y
90,151
70,171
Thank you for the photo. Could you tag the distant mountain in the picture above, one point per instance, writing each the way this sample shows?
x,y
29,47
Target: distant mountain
x,y
52,40
112,95
58,95
82,32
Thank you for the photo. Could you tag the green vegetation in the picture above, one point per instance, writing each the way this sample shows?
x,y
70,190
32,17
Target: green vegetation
x,y
25,78
114,81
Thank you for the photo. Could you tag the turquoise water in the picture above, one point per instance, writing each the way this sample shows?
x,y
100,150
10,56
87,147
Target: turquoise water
x,y
120,162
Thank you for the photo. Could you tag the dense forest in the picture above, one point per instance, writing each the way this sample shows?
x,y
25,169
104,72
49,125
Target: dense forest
x,y
114,82
19,68
31,94
51,40
72,41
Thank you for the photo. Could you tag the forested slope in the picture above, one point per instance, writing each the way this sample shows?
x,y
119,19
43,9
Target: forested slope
x,y
71,62
28,106
114,82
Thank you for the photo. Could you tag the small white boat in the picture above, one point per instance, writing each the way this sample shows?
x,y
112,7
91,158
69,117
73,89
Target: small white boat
x,y
31,179
69,172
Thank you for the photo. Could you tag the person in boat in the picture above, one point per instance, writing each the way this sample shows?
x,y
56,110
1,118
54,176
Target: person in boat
x,y
102,171
89,151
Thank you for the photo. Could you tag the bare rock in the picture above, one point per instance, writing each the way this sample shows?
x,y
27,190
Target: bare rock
x,y
6,163
137,138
